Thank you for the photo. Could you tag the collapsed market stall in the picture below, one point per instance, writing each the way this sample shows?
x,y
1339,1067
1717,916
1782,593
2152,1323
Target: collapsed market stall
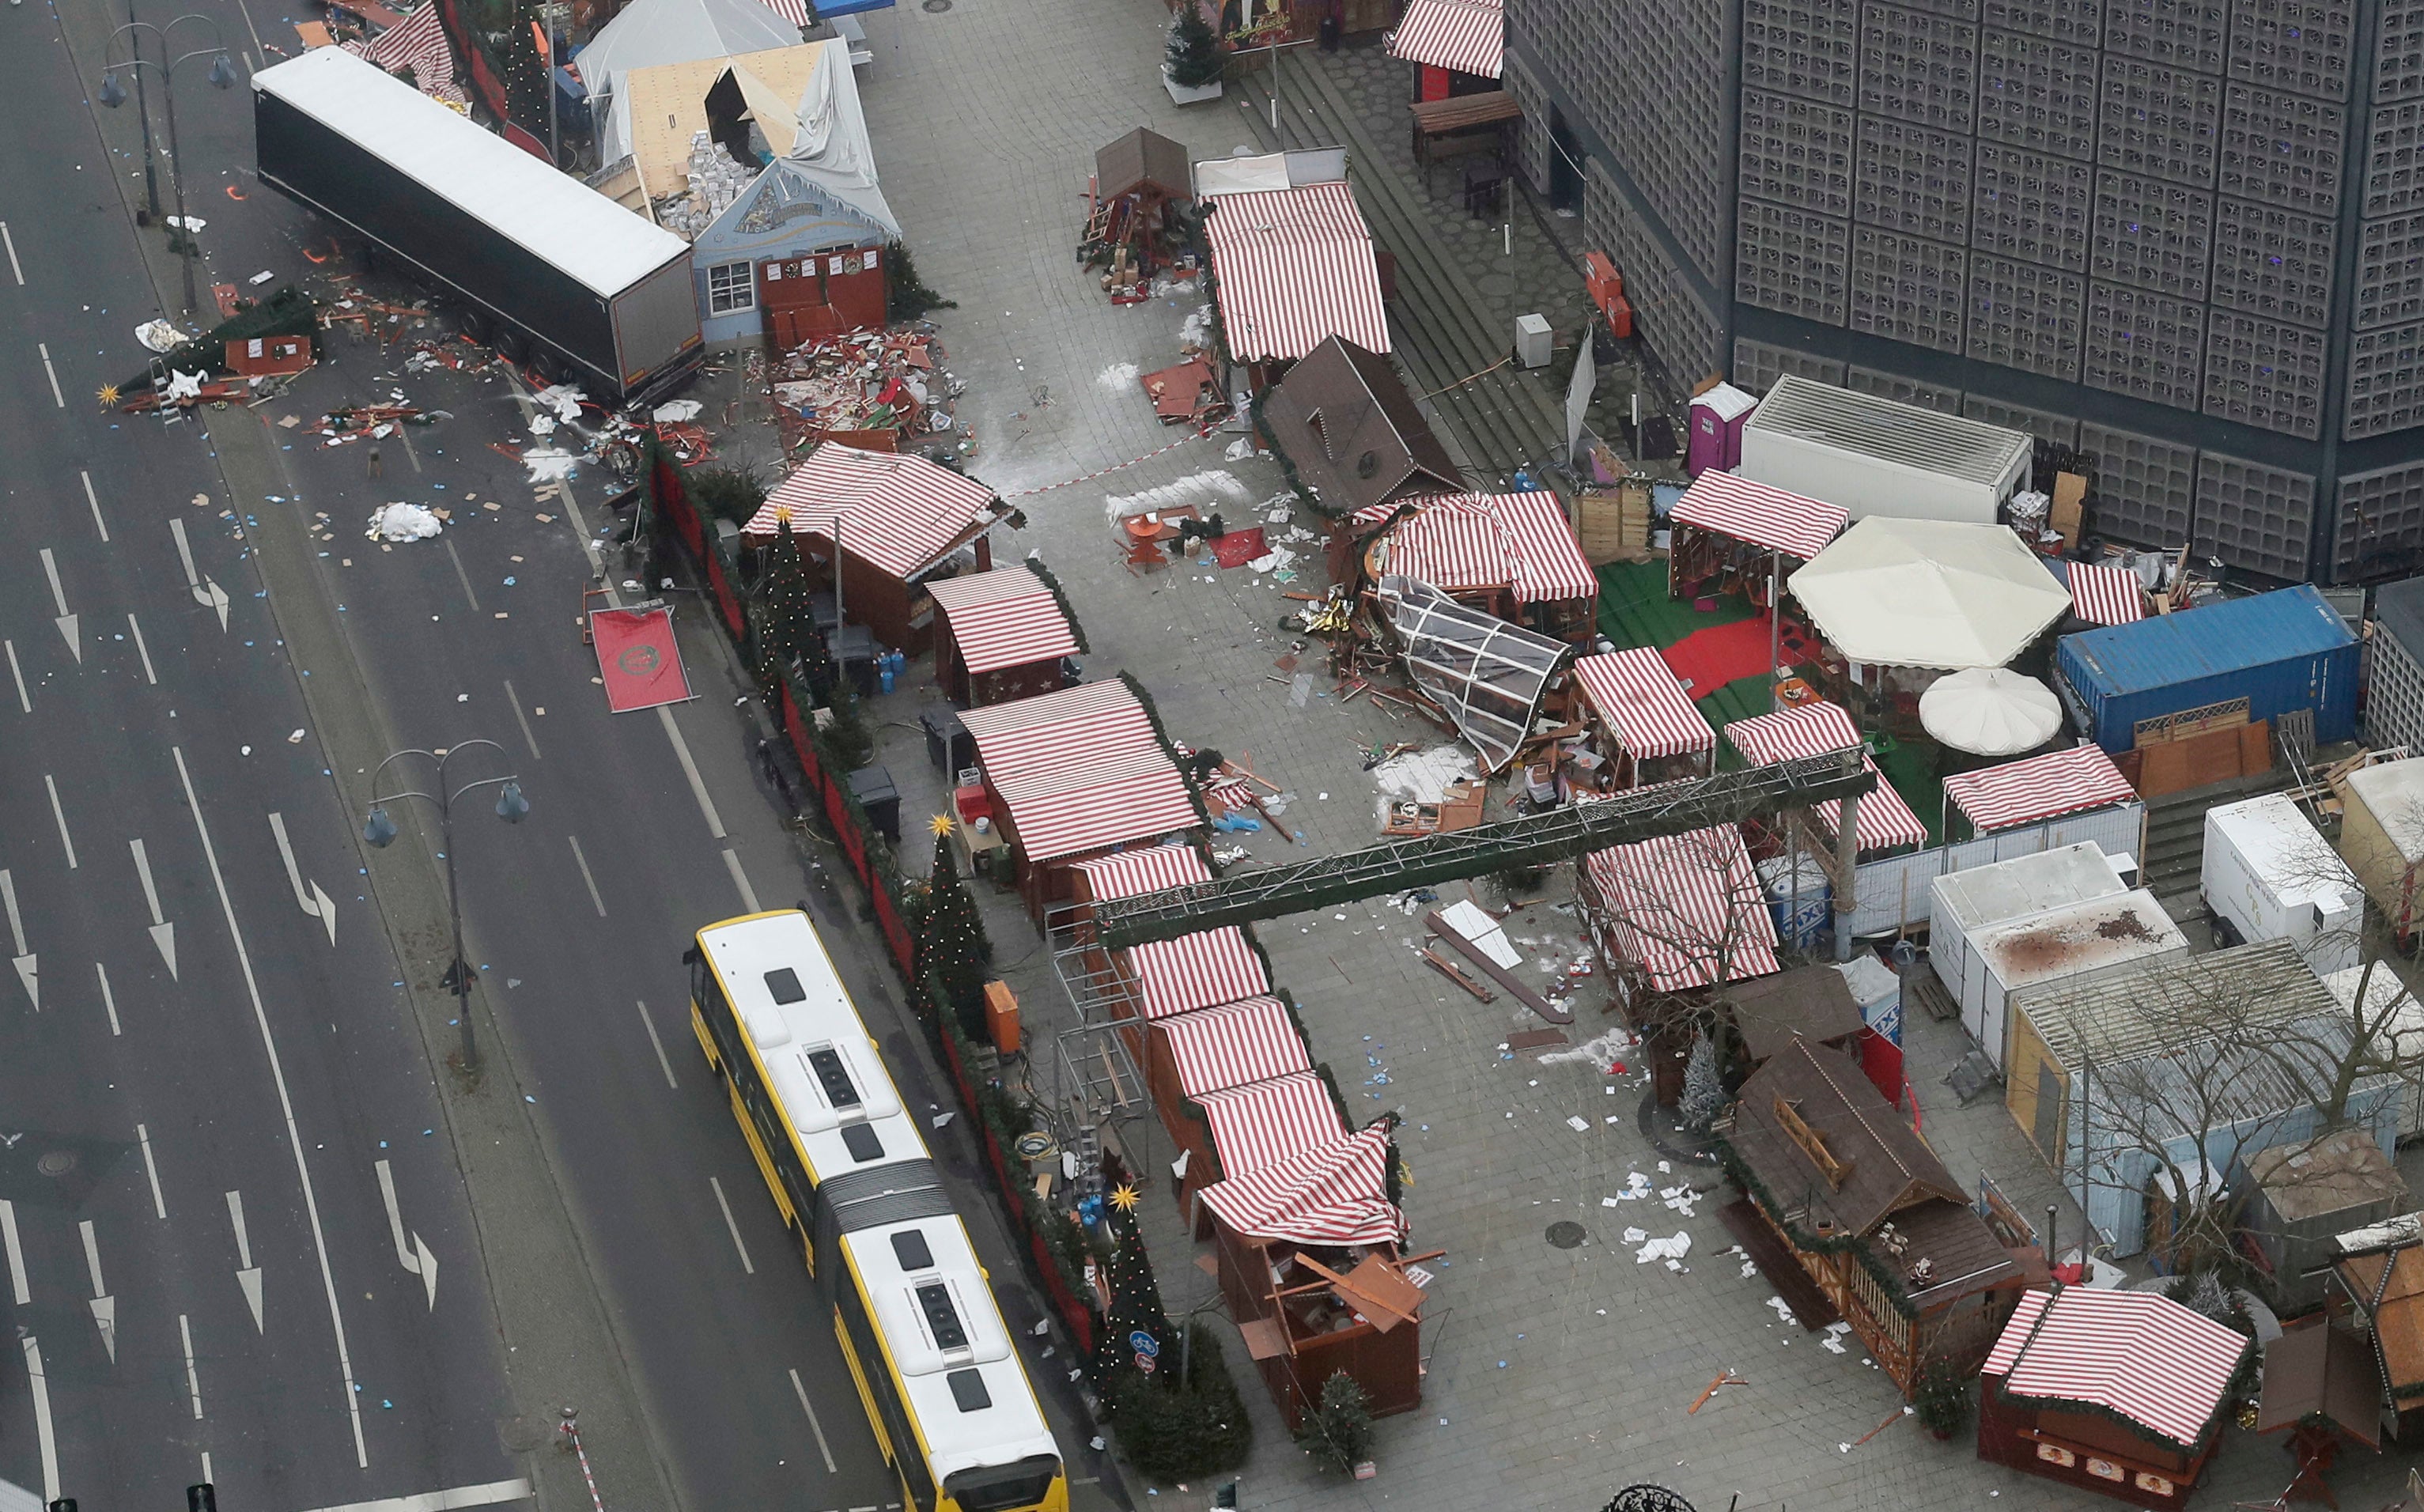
x,y
1487,675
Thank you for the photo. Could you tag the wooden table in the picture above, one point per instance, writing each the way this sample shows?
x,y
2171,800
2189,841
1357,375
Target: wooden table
x,y
1460,124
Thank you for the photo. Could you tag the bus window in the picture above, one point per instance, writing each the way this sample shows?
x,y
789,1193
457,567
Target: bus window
x,y
1000,1488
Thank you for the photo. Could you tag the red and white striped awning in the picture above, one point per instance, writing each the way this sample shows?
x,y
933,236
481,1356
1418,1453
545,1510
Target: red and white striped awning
x,y
1549,561
1336,1193
417,42
1196,971
1003,618
1681,905
1816,729
1147,869
1760,515
794,11
2041,787
1471,543
1260,1125
897,513
1294,267
1644,704
1079,769
1467,36
2138,1354
1233,1044
2106,596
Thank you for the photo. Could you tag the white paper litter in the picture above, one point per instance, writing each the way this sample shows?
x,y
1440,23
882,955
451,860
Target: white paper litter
x,y
187,223
1668,1250
1580,1126
563,398
1422,776
1635,1236
184,385
1833,1338
542,426
1117,377
548,465
1783,1308
263,277
1239,450
403,522
159,336
1466,918
1603,1052
674,411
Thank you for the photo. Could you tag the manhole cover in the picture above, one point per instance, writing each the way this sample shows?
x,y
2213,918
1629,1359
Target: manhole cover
x,y
1565,1235
937,6
56,1163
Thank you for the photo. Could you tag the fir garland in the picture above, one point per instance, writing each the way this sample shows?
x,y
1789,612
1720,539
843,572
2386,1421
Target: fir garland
x,y
1288,464
1061,597
1161,733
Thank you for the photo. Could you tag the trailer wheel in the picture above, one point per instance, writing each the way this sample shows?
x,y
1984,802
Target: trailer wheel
x,y
513,345
474,324
544,368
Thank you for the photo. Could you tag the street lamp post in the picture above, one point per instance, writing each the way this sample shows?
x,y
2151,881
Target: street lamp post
x,y
113,94
380,830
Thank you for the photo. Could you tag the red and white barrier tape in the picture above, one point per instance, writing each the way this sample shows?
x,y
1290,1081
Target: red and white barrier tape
x,y
572,1430
1117,467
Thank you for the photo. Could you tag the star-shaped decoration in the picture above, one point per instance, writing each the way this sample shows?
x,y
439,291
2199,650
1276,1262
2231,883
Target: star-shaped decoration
x,y
1124,1198
941,826
107,395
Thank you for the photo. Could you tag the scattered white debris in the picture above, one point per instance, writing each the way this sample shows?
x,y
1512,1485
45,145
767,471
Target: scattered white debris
x,y
674,411
159,336
1833,1340
1580,1126
563,398
1239,450
184,385
261,278
1189,490
187,223
1422,776
548,463
1118,376
1671,1250
1603,1052
403,522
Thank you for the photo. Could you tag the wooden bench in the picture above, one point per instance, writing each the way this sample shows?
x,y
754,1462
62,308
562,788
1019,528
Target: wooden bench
x,y
1462,125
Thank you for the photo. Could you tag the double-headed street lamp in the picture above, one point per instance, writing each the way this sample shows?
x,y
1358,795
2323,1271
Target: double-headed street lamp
x,y
113,94
380,830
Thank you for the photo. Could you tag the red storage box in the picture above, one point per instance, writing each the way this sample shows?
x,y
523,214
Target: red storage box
x,y
1619,316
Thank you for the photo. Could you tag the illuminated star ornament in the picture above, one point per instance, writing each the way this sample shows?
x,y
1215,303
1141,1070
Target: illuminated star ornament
x,y
1124,1198
107,395
940,826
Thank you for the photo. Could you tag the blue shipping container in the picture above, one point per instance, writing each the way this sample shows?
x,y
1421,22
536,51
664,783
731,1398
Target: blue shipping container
x,y
2281,651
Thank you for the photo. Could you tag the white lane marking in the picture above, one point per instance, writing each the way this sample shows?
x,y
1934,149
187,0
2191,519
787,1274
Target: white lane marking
x,y
66,622
446,1500
57,398
314,902
814,1426
206,590
595,902
59,814
23,701
651,1025
24,959
746,1267
247,1274
460,576
286,1107
104,1307
256,41
207,1476
741,880
16,1252
108,998
415,1257
690,770
159,1204
42,1430
10,243
145,652
192,1382
163,934
516,699
94,500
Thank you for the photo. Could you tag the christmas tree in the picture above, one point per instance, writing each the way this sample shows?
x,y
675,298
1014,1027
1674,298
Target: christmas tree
x,y
847,739
787,629
1191,55
1135,1329
1704,1093
951,943
1338,1430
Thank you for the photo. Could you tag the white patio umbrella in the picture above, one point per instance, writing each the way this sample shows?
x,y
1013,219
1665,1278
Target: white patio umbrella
x,y
1991,712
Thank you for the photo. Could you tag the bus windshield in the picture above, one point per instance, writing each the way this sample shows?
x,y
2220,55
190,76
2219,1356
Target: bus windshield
x,y
1001,1487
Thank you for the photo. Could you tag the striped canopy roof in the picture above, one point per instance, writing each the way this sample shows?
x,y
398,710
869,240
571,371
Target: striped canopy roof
x,y
1146,870
1079,769
1467,36
1196,971
1003,618
2105,595
1760,515
1466,543
1295,267
1335,1193
2137,1354
2040,787
417,42
1816,729
1233,1044
898,513
1643,703
1260,1125
1680,904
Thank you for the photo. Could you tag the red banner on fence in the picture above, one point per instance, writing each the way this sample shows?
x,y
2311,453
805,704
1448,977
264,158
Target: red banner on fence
x,y
638,658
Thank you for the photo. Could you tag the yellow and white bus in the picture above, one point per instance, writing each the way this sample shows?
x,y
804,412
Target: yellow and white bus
x,y
934,1365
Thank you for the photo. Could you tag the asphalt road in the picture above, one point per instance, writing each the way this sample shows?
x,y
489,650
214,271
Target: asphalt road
x,y
642,828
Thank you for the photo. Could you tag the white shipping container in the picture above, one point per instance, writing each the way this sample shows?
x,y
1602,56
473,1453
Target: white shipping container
x,y
1960,903
2065,943
2275,877
2398,1020
1880,456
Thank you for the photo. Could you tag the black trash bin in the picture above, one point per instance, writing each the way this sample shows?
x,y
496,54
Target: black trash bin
x,y
854,652
873,788
949,745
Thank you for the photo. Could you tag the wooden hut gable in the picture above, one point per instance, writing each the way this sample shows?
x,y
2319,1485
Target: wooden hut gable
x,y
1833,1160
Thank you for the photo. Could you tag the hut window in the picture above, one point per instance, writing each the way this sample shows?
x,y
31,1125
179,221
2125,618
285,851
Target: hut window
x,y
731,287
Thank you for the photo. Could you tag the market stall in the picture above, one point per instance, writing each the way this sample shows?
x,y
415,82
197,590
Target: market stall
x,y
2100,594
1675,914
898,519
1643,722
1211,1049
1343,418
1292,267
1883,823
1456,46
2379,1274
1513,556
1129,229
1238,1130
2126,1394
1000,635
1733,535
2042,787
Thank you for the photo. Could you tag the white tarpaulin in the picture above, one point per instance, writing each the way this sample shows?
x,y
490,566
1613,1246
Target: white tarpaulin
x,y
1991,712
823,137
1928,593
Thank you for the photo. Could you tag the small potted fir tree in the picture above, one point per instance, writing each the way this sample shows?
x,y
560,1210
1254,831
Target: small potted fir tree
x,y
1191,65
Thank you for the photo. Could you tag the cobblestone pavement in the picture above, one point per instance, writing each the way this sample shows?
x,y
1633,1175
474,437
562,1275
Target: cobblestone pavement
x,y
1556,1375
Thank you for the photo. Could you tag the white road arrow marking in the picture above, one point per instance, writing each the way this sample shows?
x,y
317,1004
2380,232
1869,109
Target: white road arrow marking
x,y
249,1276
66,622
163,934
414,1256
207,593
314,902
104,1307
43,1434
23,959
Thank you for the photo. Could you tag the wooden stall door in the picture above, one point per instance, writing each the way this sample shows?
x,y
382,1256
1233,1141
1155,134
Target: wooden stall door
x,y
791,292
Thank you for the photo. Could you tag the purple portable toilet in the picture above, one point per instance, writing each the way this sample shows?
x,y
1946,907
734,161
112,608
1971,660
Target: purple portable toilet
x,y
1717,418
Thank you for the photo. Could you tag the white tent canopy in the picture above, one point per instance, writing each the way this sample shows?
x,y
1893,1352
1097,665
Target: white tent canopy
x,y
1991,712
1929,593
653,32
822,137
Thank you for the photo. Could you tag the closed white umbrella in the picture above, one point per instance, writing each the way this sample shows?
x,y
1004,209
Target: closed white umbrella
x,y
1991,712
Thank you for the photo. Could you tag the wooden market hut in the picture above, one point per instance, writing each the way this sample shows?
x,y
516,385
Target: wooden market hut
x,y
1000,635
2320,1384
1343,418
1513,556
1811,1002
1456,47
1292,267
1307,1255
2379,1279
1643,725
1733,535
1076,773
1212,1049
1883,823
900,519
2121,1392
1235,1131
1137,178
1852,1197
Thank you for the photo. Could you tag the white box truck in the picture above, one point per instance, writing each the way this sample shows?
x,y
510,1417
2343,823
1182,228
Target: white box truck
x,y
2271,875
